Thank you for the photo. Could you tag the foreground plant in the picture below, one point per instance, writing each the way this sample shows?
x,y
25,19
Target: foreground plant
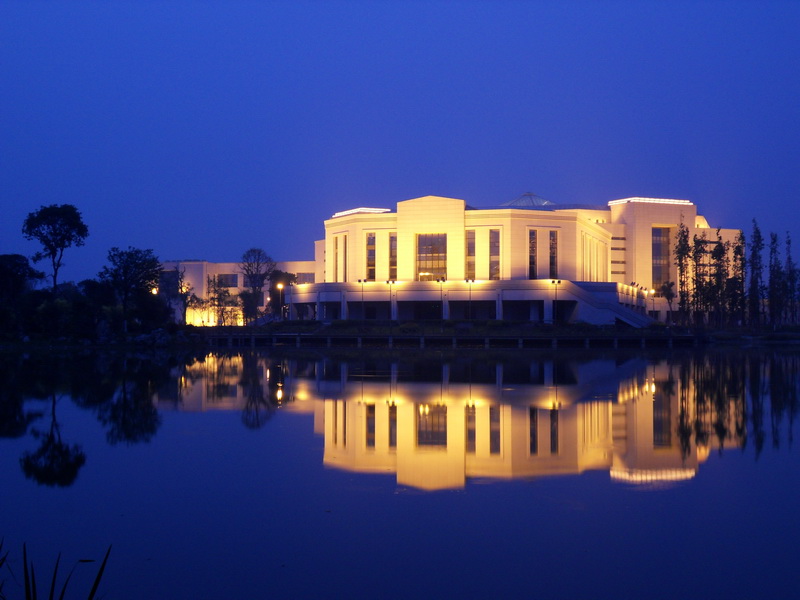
x,y
29,572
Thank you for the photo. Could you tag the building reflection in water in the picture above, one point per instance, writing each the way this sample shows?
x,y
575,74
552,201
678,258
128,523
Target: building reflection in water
x,y
438,424
436,435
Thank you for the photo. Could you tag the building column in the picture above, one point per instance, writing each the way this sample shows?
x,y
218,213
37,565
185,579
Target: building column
x,y
547,317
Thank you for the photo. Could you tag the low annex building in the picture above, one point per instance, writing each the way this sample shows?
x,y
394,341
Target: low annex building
x,y
197,275
526,260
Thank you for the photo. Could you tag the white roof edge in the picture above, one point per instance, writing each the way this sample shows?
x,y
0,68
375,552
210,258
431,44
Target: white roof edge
x,y
650,201
361,210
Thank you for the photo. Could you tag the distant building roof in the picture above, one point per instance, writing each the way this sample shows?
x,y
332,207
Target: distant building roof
x,y
528,200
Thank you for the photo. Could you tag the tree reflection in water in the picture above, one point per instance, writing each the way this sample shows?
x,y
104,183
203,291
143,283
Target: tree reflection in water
x,y
690,402
726,390
55,462
131,414
258,407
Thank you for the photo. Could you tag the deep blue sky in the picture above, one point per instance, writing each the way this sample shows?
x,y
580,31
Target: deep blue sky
x,y
200,129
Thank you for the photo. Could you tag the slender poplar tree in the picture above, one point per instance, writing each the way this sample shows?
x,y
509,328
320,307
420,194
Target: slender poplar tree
x,y
776,287
735,295
681,253
791,283
755,288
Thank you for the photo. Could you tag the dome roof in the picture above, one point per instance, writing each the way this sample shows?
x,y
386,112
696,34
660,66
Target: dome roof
x,y
527,200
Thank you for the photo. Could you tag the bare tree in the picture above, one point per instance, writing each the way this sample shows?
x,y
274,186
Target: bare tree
x,y
257,268
222,303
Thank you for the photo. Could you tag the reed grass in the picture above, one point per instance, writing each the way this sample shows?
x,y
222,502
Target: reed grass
x,y
29,575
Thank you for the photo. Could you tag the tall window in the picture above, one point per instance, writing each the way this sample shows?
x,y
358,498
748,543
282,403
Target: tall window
x,y
532,254
494,254
470,419
393,426
553,431
393,256
336,258
554,254
469,267
344,257
370,257
661,256
432,425
494,430
370,437
533,423
431,256
340,258
662,421
228,280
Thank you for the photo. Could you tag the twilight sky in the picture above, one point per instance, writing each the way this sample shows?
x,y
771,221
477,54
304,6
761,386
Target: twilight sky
x,y
200,129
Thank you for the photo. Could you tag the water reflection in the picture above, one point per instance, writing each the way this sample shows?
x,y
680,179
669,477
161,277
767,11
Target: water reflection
x,y
645,421
55,462
435,424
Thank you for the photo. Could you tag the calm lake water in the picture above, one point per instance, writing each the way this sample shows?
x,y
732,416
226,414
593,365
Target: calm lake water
x,y
557,475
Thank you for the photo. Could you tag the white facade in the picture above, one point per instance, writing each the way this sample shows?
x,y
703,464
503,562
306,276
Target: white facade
x,y
516,262
528,260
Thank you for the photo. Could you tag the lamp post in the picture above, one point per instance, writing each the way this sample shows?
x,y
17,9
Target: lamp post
x,y
362,281
653,296
469,282
280,300
440,281
556,283
289,309
390,282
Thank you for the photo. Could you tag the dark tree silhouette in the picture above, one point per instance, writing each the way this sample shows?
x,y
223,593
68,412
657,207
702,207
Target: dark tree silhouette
x,y
258,408
682,253
132,273
131,415
755,288
56,227
55,462
257,268
776,287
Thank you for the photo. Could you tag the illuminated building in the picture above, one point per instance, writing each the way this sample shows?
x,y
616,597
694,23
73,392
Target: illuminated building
x,y
526,260
197,275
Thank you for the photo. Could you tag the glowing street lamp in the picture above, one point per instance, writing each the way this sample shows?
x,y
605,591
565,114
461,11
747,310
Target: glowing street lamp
x,y
280,300
469,282
556,283
390,283
362,281
440,281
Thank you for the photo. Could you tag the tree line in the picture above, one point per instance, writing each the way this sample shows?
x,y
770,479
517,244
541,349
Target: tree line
x,y
724,283
131,295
